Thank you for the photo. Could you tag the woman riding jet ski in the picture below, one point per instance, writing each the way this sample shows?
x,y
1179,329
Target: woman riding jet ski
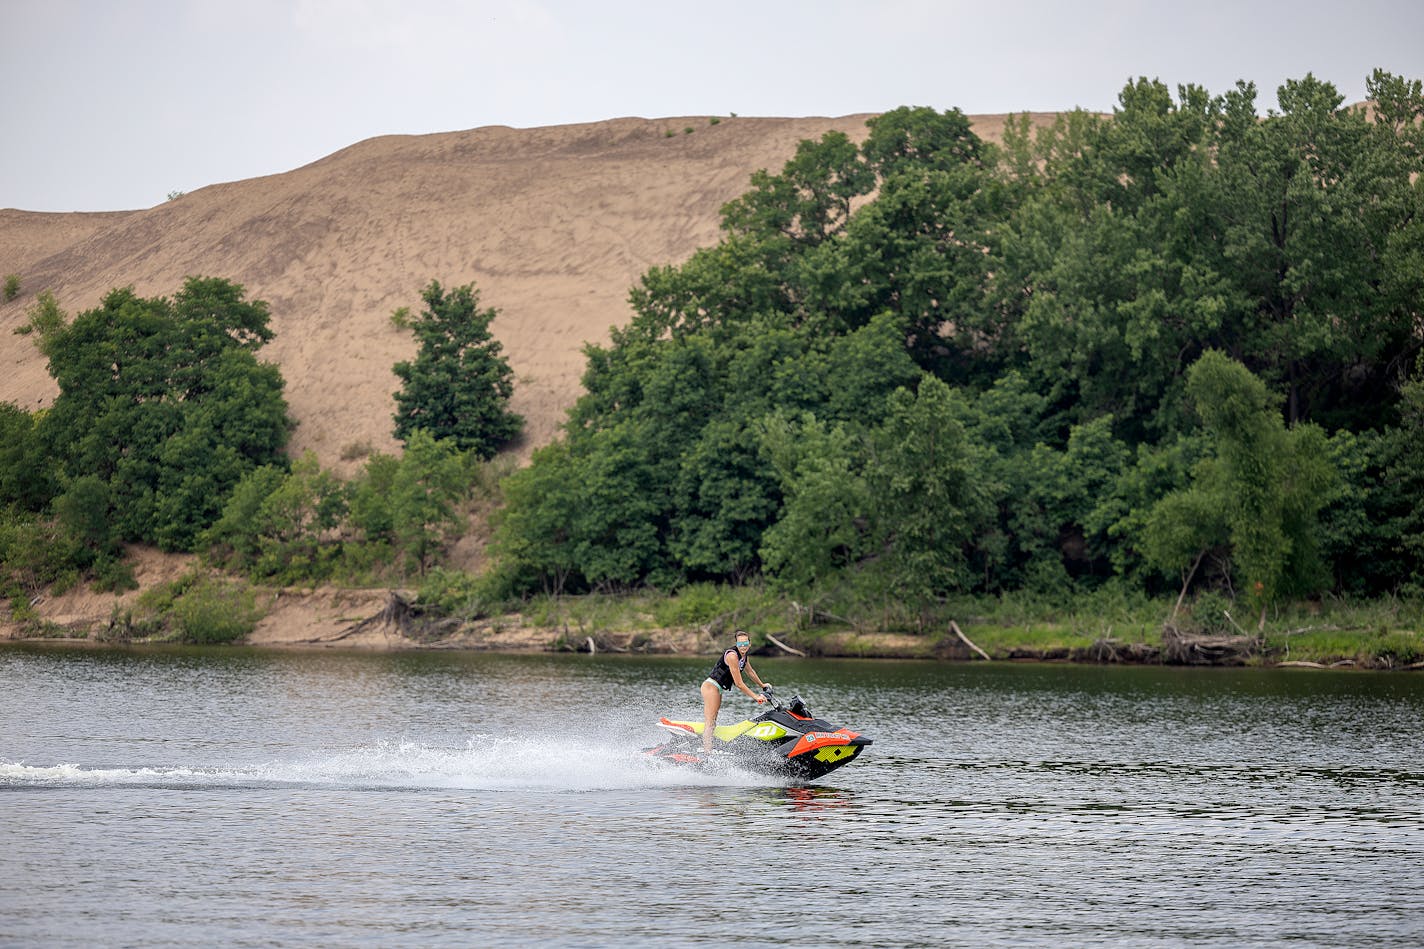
x,y
788,740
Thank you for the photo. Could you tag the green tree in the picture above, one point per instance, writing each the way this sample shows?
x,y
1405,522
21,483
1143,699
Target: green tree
x,y
426,488
1401,505
928,495
371,493
1063,285
162,403
1318,205
1187,525
459,384
27,477
282,525
619,523
809,201
923,251
36,552
1108,280
725,496
1268,483
919,139
235,539
823,528
534,538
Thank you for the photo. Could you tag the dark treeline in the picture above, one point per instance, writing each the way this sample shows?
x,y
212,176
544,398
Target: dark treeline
x,y
1174,347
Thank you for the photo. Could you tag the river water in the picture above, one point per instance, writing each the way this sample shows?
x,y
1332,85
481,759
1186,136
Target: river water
x,y
190,797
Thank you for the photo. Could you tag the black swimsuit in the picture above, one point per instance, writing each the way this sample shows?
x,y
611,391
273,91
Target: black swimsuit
x,y
722,673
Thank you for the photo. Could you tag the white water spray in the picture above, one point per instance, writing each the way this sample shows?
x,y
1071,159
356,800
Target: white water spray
x,y
485,763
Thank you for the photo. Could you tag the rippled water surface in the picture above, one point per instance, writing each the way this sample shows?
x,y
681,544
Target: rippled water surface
x,y
241,798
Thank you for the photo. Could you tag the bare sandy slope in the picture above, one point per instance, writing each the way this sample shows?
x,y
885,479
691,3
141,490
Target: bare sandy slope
x,y
554,225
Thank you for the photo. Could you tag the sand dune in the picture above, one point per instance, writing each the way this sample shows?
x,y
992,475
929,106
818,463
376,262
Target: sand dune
x,y
554,225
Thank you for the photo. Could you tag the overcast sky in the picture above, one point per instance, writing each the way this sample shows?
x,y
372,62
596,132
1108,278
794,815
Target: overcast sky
x,y
112,104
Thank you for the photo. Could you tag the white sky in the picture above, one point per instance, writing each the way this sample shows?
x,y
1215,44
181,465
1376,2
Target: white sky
x,y
112,104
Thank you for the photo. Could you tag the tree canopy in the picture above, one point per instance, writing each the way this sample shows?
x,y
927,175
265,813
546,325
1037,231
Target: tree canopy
x,y
1096,353
163,407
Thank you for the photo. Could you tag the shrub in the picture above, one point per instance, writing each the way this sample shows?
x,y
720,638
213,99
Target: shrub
x,y
36,551
453,593
695,605
1210,612
12,287
1399,647
212,610
114,575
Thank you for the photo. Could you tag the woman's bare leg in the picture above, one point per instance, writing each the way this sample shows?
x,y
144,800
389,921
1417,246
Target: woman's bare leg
x,y
711,704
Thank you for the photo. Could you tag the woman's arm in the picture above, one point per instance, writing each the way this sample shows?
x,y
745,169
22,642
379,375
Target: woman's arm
x,y
735,666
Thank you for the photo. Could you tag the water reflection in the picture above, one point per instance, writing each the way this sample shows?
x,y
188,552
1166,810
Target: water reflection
x,y
809,799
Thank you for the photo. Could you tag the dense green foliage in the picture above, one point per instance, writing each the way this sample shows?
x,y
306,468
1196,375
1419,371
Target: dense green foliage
x,y
1174,345
1257,494
168,431
459,385
162,408
199,607
396,518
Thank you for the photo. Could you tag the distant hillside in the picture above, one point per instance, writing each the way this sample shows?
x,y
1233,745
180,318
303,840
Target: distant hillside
x,y
553,224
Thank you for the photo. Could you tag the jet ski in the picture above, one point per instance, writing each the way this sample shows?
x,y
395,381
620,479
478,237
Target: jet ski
x,y
786,740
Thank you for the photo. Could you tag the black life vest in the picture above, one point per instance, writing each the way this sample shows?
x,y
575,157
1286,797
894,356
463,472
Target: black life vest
x,y
722,673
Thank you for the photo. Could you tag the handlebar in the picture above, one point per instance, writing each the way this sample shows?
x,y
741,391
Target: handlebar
x,y
794,705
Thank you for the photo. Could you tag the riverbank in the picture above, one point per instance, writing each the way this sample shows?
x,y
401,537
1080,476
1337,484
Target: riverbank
x,y
389,620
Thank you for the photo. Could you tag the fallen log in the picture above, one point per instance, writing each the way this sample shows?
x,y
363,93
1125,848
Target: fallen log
x,y
1183,648
783,647
954,627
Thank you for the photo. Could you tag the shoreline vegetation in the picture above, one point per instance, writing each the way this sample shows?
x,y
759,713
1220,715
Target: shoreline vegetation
x,y
1105,390
203,607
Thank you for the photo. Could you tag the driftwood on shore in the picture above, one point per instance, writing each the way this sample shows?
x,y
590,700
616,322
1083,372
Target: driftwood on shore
x,y
954,628
1189,649
403,616
783,647
1110,649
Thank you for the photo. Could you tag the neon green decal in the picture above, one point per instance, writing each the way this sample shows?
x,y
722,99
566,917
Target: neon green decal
x,y
768,731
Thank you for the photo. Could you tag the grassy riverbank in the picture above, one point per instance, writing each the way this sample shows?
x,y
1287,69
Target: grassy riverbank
x,y
1098,627
198,606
